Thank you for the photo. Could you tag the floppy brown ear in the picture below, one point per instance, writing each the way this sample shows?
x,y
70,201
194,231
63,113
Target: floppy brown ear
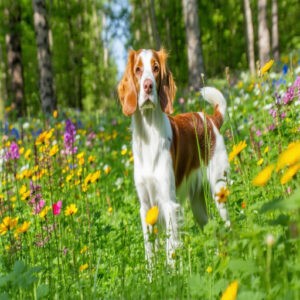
x,y
126,89
167,89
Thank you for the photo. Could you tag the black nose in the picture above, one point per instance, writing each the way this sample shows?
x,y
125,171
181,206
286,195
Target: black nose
x,y
148,85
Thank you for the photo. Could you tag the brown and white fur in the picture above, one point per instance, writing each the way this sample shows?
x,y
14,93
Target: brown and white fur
x,y
166,148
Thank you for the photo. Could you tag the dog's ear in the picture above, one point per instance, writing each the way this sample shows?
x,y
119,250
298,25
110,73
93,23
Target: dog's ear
x,y
167,88
127,92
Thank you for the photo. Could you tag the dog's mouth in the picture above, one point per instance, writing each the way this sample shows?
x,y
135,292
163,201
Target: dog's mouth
x,y
148,104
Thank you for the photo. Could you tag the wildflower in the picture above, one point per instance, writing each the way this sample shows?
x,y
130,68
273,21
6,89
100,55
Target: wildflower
x,y
7,224
84,249
231,291
56,207
95,176
152,215
266,150
55,114
44,212
27,154
237,150
209,269
13,152
91,159
71,210
83,267
23,228
44,138
222,195
124,150
289,157
53,150
69,138
266,67
292,91
270,240
263,176
260,162
243,205
107,169
289,174
80,158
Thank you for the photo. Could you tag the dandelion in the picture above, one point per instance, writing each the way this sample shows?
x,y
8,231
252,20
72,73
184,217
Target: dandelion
x,y
44,212
231,291
23,228
83,267
56,207
289,157
152,215
266,67
263,176
289,174
71,210
7,224
54,150
222,195
237,150
84,249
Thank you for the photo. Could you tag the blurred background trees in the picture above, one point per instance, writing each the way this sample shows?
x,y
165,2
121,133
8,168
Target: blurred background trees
x,y
76,39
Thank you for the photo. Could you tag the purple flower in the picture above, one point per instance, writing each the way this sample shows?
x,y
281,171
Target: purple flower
x,y
36,200
271,127
292,92
13,152
69,138
273,113
258,132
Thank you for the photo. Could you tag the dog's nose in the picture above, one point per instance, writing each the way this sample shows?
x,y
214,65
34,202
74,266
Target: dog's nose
x,y
148,85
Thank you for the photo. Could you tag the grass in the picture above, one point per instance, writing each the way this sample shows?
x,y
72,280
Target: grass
x,y
92,247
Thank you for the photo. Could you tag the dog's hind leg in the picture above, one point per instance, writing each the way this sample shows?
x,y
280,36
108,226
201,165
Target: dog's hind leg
x,y
197,198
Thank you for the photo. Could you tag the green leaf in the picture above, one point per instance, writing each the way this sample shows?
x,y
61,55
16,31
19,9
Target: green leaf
x,y
242,266
42,291
19,267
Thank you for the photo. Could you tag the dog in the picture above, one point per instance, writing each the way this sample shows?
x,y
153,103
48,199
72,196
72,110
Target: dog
x,y
171,153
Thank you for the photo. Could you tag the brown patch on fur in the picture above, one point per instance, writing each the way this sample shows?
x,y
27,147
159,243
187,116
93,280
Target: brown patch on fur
x,y
189,131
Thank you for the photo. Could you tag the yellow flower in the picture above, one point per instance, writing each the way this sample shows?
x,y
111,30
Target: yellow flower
x,y
263,176
152,215
44,137
222,195
71,210
7,224
209,269
288,175
107,169
53,150
27,154
95,176
55,114
266,150
260,162
44,212
91,159
110,209
23,228
21,151
124,150
84,249
289,157
237,149
266,67
88,179
83,267
231,291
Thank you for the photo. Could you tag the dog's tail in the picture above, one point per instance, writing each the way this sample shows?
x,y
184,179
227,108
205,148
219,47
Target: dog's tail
x,y
215,98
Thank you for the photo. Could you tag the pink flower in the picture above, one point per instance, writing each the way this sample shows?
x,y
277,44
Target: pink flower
x,y
38,206
56,207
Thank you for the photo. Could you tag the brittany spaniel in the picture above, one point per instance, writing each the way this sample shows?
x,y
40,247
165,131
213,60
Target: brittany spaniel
x,y
171,153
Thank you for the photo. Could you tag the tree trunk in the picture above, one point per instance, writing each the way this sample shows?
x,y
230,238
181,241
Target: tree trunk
x,y
250,36
154,25
44,57
263,33
275,34
14,56
195,59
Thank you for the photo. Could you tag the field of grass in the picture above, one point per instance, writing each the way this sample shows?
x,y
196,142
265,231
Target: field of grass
x,y
69,214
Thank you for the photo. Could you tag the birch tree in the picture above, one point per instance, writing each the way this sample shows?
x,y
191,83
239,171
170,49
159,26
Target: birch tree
x,y
195,59
263,33
14,56
275,34
250,36
44,56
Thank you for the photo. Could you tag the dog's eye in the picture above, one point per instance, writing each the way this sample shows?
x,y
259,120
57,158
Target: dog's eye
x,y
138,70
155,69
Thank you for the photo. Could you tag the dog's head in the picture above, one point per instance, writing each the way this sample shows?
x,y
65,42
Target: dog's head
x,y
147,82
